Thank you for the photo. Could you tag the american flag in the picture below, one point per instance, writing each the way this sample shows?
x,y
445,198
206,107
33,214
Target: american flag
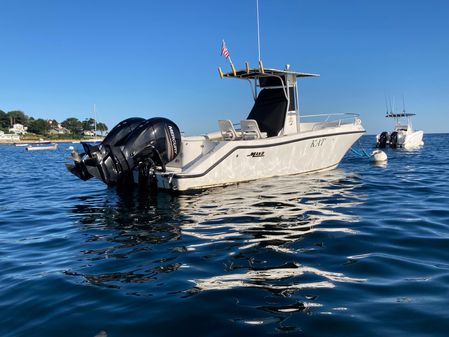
x,y
224,50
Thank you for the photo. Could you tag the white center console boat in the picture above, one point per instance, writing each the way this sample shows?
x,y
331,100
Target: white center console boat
x,y
403,135
272,140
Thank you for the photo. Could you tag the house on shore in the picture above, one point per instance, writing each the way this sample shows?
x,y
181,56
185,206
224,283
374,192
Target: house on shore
x,y
18,129
59,130
8,137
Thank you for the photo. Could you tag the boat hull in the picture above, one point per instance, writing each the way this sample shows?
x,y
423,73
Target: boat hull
x,y
405,139
42,148
238,161
413,140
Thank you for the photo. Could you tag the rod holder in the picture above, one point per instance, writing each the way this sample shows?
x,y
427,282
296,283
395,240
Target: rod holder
x,y
247,67
233,69
261,68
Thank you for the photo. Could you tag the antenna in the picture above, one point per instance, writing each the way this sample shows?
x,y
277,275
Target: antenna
x,y
258,29
403,103
386,103
390,105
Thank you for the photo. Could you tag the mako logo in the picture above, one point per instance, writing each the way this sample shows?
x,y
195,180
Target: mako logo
x,y
256,154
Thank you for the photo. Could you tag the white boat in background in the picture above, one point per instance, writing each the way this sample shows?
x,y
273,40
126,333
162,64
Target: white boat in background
x,y
42,147
95,141
33,142
403,135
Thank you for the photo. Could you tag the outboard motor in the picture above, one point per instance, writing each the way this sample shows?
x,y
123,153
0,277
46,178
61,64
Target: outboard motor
x,y
394,139
114,137
133,144
383,140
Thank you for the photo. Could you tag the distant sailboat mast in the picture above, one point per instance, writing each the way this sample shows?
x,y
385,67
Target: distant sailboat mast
x,y
95,121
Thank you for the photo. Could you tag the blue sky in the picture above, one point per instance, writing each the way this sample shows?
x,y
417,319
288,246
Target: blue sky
x,y
160,58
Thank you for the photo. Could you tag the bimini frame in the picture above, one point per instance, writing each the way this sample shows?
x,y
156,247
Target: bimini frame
x,y
286,79
398,116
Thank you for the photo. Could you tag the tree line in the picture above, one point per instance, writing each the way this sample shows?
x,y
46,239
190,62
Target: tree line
x,y
43,126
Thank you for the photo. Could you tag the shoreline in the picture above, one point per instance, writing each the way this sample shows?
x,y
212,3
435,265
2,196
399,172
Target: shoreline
x,y
36,141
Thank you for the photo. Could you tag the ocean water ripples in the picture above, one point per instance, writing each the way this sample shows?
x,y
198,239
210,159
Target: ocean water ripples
x,y
360,250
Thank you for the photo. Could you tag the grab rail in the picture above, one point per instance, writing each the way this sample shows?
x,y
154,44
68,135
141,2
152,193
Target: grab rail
x,y
347,114
332,120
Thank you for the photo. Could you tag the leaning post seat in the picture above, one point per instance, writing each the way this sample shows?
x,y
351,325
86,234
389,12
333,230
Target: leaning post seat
x,y
227,130
250,130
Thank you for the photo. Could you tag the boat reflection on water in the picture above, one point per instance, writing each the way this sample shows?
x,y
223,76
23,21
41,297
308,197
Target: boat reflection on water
x,y
269,235
272,216
121,227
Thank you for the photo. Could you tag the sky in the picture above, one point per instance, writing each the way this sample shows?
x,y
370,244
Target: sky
x,y
159,58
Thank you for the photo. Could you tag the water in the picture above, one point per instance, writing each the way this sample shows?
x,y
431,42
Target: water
x,y
361,250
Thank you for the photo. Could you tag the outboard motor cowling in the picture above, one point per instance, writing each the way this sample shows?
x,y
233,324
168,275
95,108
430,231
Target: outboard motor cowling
x,y
134,144
383,140
394,139
98,153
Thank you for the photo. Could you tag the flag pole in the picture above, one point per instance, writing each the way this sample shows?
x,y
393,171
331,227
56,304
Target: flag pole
x,y
234,72
229,55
